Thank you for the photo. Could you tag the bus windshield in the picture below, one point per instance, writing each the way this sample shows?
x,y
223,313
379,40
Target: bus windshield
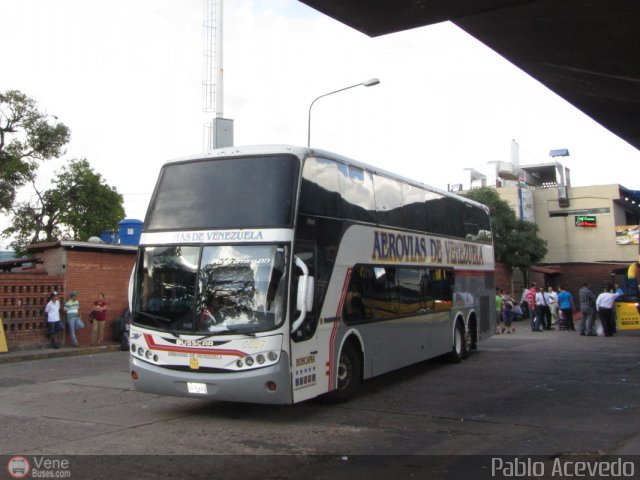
x,y
212,289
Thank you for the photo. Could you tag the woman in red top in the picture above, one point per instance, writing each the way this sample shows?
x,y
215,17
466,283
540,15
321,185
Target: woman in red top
x,y
100,317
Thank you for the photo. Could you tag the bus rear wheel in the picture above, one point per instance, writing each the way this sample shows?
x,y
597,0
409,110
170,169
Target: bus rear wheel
x,y
349,375
459,348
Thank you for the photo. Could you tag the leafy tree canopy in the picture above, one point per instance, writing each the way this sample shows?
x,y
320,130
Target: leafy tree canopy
x,y
27,137
80,205
515,241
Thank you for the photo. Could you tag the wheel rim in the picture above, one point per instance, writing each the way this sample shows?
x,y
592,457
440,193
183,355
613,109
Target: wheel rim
x,y
467,340
344,371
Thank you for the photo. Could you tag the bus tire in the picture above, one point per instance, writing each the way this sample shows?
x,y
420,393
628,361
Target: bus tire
x,y
349,375
470,338
459,348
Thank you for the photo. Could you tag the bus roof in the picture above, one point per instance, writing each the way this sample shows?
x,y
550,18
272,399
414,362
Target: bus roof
x,y
303,152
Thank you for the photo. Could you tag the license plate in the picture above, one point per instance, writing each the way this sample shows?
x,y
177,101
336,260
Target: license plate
x,y
200,388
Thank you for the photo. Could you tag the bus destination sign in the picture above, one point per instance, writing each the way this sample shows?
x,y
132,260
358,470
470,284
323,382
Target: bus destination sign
x,y
586,221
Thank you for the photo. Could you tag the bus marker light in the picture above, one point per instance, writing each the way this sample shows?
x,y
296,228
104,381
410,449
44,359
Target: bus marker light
x,y
134,374
271,386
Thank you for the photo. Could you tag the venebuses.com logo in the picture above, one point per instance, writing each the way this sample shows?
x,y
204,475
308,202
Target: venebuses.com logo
x,y
18,467
38,467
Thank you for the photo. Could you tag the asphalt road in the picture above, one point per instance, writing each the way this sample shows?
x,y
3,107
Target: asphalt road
x,y
548,394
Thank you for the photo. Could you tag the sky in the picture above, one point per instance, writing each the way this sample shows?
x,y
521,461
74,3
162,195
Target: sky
x,y
126,77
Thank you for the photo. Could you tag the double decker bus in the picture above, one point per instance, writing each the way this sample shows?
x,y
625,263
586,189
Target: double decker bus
x,y
275,274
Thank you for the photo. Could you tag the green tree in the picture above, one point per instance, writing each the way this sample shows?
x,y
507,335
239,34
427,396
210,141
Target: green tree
x,y
27,137
80,205
515,241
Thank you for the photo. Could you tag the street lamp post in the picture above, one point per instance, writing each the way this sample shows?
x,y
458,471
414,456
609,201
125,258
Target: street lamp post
x,y
367,83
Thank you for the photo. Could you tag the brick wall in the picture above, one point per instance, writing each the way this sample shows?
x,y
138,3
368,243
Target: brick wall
x,y
597,274
89,271
54,261
93,272
503,277
22,302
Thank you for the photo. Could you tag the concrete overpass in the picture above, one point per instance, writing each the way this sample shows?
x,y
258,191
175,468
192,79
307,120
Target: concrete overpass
x,y
586,51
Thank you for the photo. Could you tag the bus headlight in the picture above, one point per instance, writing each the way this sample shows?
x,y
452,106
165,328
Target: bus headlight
x,y
144,353
258,360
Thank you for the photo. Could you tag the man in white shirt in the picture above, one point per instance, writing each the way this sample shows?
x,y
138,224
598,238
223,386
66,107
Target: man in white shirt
x,y
604,307
544,313
53,318
552,301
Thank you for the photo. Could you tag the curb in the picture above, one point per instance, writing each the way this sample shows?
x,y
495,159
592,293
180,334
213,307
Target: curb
x,y
26,355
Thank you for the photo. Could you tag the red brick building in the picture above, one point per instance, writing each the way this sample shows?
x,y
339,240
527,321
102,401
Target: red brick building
x,y
87,267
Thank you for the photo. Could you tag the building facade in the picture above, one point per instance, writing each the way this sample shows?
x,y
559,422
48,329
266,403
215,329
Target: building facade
x,y
591,232
89,268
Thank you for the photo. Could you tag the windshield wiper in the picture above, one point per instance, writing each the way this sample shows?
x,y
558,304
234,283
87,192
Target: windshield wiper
x,y
161,322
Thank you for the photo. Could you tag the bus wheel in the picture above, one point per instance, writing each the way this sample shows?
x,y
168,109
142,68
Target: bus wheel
x,y
473,336
470,338
458,350
349,375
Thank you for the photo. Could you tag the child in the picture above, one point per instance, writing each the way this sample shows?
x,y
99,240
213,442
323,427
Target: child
x,y
507,317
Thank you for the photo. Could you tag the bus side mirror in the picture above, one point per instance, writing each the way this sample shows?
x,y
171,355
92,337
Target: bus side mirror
x,y
304,300
305,294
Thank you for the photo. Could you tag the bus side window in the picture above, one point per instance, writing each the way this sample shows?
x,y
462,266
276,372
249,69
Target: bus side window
x,y
372,294
355,308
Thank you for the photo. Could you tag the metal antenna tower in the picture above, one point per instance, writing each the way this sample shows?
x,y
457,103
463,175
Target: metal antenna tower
x,y
218,132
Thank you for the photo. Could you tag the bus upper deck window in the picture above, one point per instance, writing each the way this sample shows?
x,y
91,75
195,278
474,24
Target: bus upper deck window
x,y
356,174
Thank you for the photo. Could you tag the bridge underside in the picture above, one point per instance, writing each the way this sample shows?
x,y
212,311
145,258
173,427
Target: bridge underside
x,y
586,51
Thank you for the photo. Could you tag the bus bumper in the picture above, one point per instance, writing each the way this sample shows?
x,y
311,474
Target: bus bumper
x,y
247,386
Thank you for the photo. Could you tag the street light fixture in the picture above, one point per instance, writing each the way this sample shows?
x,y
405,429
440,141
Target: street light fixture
x,y
367,83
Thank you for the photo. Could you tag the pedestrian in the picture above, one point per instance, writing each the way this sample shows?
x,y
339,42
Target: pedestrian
x,y
100,317
72,311
524,306
604,306
587,301
54,325
507,314
498,310
565,303
530,299
619,291
552,302
543,311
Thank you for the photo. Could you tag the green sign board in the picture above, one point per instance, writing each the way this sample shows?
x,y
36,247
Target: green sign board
x,y
586,221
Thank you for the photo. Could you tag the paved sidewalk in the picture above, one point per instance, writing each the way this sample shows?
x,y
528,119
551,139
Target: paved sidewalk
x,y
42,353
